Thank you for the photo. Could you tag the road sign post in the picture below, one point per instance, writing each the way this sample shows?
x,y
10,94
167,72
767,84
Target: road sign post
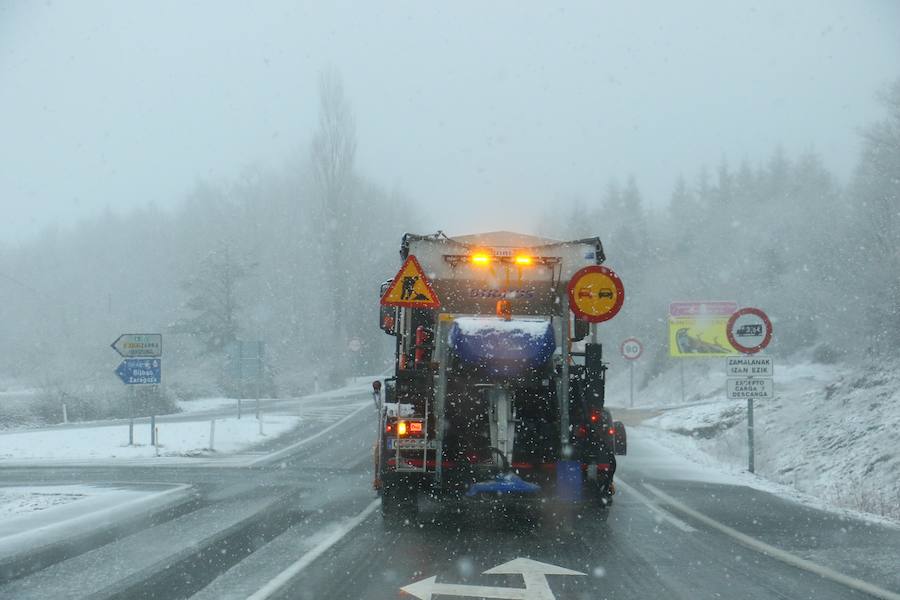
x,y
697,330
142,365
131,392
749,330
631,386
750,450
631,350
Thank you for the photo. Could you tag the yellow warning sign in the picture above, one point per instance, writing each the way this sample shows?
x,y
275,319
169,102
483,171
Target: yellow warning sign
x,y
699,337
699,329
410,288
596,293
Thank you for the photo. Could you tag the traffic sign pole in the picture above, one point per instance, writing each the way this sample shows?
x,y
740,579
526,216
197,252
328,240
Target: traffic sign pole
x,y
750,465
631,365
749,330
631,350
131,392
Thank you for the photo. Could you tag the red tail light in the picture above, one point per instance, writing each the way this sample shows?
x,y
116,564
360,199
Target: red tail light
x,y
596,415
612,431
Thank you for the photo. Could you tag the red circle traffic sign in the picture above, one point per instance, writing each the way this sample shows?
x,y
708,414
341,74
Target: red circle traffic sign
x,y
631,349
749,330
596,294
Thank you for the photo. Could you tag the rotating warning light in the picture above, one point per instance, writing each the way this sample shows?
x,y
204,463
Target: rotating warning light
x,y
401,428
480,258
524,261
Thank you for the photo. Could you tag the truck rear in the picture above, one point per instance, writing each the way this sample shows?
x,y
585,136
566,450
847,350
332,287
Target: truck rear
x,y
497,395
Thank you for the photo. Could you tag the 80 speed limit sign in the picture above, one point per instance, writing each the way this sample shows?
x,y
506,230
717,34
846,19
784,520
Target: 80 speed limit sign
x,y
631,349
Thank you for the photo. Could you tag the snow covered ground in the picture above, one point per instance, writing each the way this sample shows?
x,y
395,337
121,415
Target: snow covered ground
x,y
187,438
832,432
15,501
37,515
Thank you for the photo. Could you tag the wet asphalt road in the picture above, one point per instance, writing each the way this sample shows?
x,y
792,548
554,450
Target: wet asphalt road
x,y
305,527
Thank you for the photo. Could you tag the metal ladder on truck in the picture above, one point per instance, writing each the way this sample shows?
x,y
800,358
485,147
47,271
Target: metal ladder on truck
x,y
409,443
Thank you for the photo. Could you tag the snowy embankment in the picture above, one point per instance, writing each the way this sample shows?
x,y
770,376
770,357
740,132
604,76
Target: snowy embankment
x,y
832,431
183,438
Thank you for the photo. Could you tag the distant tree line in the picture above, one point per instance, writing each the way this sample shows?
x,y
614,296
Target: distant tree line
x,y
822,258
292,256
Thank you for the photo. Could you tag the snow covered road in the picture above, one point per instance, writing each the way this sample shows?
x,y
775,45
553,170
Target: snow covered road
x,y
308,515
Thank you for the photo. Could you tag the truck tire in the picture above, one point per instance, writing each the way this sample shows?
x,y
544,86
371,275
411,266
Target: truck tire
x,y
621,438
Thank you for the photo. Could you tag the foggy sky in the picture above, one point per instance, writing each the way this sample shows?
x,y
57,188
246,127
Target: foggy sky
x,y
486,112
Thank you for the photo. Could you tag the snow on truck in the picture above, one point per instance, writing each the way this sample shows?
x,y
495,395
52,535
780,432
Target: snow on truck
x,y
490,400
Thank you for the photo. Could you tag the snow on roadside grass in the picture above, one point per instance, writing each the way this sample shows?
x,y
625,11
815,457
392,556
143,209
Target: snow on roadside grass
x,y
27,499
36,516
831,432
111,441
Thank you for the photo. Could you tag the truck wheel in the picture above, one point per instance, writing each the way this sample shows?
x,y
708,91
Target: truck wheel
x,y
600,495
621,438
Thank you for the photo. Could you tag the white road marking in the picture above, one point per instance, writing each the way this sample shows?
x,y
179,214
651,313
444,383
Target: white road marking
x,y
277,455
654,508
777,553
533,572
280,580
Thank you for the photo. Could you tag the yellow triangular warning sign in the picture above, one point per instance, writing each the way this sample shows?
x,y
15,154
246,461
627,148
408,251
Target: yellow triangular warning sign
x,y
411,288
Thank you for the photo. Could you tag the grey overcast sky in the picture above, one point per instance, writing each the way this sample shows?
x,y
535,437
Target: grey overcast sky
x,y
486,112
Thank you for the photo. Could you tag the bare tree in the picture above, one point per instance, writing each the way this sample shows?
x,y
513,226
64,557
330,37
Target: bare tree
x,y
333,153
334,144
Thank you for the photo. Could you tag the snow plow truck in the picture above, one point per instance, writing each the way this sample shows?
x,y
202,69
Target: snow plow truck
x,y
498,388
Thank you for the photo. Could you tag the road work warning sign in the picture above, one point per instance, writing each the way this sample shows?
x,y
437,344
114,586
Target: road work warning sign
x,y
411,288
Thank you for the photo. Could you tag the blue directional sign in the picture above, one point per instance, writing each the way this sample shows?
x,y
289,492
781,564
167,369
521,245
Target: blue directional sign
x,y
140,370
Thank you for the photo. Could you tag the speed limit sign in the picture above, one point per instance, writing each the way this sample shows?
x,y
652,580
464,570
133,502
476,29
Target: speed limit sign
x,y
632,349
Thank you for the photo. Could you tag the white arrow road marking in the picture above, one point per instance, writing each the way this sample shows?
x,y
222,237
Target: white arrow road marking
x,y
533,572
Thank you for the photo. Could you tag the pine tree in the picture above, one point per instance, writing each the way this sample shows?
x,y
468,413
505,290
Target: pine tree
x,y
213,298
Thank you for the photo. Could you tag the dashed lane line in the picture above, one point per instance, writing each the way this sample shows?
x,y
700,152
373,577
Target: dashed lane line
x,y
279,581
777,553
654,508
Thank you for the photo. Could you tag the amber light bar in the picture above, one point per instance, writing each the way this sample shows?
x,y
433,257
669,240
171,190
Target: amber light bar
x,y
483,259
